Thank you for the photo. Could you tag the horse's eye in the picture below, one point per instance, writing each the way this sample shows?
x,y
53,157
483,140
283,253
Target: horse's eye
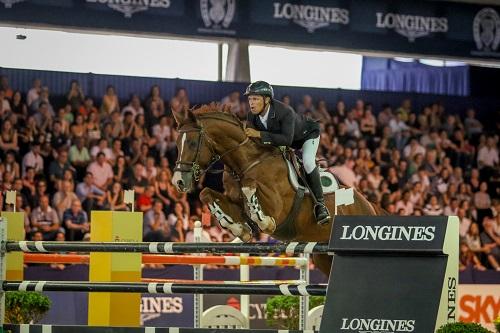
x,y
192,144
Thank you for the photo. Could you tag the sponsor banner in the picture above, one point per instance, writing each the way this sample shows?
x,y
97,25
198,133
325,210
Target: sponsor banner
x,y
383,233
448,29
479,303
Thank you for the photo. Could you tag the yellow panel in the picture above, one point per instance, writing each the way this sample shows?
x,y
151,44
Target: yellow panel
x,y
15,231
115,309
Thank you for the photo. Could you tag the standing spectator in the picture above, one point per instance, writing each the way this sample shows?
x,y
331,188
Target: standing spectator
x,y
487,159
5,86
482,202
76,221
75,96
109,101
4,105
44,219
233,100
34,92
155,106
472,125
18,105
101,171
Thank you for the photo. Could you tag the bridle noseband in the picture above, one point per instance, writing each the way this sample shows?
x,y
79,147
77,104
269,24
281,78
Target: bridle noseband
x,y
194,166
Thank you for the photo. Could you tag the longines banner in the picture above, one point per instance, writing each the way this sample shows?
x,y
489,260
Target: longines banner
x,y
407,27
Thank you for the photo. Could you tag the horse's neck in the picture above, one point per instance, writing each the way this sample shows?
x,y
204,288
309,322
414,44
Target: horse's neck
x,y
228,138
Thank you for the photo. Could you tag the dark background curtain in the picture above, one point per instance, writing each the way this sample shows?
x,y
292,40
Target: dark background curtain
x,y
390,75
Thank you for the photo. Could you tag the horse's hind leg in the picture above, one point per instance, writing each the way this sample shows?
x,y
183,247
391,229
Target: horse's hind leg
x,y
229,215
266,223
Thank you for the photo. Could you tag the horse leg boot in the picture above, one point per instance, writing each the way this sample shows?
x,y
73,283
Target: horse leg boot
x,y
266,223
320,211
229,215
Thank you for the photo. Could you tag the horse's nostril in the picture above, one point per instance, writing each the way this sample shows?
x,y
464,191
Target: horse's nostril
x,y
180,183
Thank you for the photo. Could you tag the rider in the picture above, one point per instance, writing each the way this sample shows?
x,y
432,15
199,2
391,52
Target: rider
x,y
276,124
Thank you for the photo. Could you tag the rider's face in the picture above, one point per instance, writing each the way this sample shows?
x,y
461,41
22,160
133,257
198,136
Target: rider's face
x,y
256,103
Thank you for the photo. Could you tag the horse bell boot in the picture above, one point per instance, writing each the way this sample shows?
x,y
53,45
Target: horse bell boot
x,y
320,211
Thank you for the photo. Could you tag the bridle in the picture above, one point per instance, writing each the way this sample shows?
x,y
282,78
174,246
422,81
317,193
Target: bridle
x,y
194,166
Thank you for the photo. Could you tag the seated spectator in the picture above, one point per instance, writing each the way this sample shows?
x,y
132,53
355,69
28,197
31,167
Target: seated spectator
x,y
137,181
180,216
59,166
45,220
48,110
134,107
156,227
5,86
452,208
10,166
491,240
306,105
115,197
59,139
155,106
472,125
162,132
91,196
5,108
101,171
79,156
121,170
487,158
433,208
116,151
87,107
33,159
405,204
233,100
76,221
64,198
469,259
145,199
150,170
102,147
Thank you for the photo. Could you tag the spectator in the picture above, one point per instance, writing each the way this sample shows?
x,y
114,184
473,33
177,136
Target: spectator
x,y
33,159
306,105
134,106
5,86
45,220
79,156
405,204
115,197
18,106
87,107
34,92
145,199
64,198
162,133
102,147
233,100
487,159
110,101
101,171
91,196
433,208
137,181
5,109
156,227
75,96
59,166
76,221
469,259
482,202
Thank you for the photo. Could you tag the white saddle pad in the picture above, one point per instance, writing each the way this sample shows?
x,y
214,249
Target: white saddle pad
x,y
328,180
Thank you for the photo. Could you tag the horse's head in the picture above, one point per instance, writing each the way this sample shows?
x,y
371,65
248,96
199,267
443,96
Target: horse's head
x,y
195,153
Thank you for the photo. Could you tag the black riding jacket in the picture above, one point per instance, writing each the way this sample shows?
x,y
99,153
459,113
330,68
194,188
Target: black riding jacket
x,y
285,127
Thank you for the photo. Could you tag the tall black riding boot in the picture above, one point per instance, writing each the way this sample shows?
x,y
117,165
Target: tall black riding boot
x,y
320,211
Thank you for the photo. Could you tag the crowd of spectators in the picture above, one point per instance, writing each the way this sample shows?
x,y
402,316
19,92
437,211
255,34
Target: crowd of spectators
x,y
67,159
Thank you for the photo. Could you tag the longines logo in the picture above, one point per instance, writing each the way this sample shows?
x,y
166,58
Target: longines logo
x,y
364,325
154,307
9,3
130,7
311,17
486,31
388,233
411,26
452,300
217,16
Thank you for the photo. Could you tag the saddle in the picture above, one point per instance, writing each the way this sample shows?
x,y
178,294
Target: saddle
x,y
296,174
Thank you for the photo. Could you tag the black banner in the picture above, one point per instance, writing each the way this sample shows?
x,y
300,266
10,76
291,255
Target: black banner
x,y
406,27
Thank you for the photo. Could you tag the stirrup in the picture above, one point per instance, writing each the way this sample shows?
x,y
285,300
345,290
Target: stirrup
x,y
324,220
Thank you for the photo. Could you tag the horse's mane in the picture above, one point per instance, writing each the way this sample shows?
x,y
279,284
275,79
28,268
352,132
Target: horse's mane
x,y
216,110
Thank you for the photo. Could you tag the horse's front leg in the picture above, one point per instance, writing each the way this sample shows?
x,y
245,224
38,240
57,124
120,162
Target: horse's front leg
x,y
230,216
266,223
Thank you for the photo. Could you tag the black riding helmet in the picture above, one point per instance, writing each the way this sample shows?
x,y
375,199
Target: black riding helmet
x,y
260,88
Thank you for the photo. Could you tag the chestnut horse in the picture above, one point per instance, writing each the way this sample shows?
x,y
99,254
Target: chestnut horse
x,y
256,182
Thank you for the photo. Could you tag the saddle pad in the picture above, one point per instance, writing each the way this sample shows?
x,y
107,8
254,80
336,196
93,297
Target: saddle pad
x,y
328,180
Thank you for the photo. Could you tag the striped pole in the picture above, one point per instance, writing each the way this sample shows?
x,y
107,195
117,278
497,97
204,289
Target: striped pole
x,y
55,258
293,248
197,276
168,288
